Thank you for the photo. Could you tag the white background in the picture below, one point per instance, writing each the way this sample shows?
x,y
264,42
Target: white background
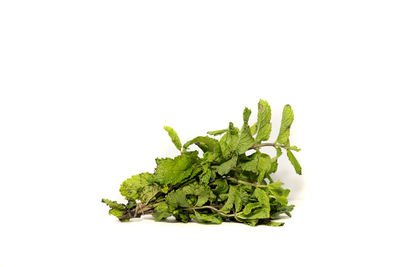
x,y
86,87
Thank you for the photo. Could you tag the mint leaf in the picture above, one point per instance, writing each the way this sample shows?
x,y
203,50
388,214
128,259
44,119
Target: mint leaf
x,y
246,139
205,143
174,137
116,209
161,212
229,142
174,171
264,126
294,162
132,187
218,132
206,218
278,192
287,120
227,166
274,160
179,197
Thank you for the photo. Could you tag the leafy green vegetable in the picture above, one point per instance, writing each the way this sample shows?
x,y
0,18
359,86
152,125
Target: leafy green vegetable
x,y
231,181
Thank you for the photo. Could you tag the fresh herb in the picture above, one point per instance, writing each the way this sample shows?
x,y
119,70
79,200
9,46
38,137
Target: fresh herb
x,y
231,181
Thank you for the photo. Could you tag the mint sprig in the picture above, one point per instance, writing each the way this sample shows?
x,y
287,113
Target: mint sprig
x,y
231,181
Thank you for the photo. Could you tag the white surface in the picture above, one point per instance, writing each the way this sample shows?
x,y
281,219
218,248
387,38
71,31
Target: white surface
x,y
86,87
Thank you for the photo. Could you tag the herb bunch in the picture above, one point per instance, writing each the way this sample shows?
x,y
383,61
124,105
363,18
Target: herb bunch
x,y
231,181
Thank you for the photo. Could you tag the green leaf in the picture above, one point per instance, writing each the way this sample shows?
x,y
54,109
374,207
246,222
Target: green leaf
x,y
250,207
113,204
275,224
287,120
236,197
278,192
206,175
227,166
221,186
132,187
274,160
263,199
206,218
174,137
116,209
179,197
218,132
259,164
174,171
257,213
229,141
230,201
205,143
253,129
161,212
149,192
264,125
246,139
294,162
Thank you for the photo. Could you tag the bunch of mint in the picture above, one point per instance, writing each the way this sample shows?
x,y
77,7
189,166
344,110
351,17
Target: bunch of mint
x,y
231,181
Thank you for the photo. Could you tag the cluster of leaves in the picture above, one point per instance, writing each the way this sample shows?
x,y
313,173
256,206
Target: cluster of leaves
x,y
230,182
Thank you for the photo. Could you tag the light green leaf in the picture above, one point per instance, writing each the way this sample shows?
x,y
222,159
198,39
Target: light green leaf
x,y
149,192
262,198
174,171
113,204
274,160
174,137
236,197
116,209
205,143
206,218
231,199
250,207
260,164
221,186
246,139
278,192
258,213
287,120
264,125
275,224
229,141
294,162
132,187
227,166
178,198
161,212
218,132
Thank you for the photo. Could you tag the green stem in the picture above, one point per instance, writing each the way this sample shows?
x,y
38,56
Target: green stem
x,y
268,144
244,182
